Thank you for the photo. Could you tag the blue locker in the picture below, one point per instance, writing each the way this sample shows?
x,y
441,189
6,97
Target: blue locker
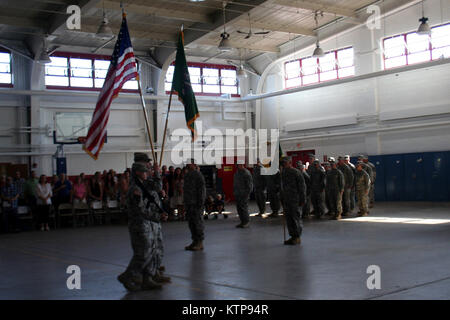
x,y
380,183
436,174
395,177
415,185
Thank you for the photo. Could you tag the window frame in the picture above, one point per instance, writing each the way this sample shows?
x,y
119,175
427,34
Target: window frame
x,y
319,71
8,85
406,52
220,67
87,56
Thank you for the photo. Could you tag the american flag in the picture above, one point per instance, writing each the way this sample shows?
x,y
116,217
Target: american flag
x,y
121,69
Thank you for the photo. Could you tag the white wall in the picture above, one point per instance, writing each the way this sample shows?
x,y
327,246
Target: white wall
x,y
334,120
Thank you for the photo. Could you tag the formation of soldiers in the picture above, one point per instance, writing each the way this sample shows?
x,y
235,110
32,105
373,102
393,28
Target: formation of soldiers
x,y
333,185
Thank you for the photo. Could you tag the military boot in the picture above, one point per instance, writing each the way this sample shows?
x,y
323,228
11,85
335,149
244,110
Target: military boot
x,y
292,241
130,283
243,225
159,278
150,284
338,217
195,246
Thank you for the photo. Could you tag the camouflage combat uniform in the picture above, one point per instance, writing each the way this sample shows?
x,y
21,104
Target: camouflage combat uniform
x,y
143,225
372,185
362,183
335,187
273,183
317,191
194,195
293,193
259,182
353,190
307,206
242,187
369,171
348,179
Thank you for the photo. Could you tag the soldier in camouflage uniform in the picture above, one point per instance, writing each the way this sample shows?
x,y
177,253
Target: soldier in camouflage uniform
x,y
369,171
194,195
348,179
327,167
143,218
317,189
260,186
335,188
242,187
293,193
154,183
306,207
362,183
273,183
374,177
352,193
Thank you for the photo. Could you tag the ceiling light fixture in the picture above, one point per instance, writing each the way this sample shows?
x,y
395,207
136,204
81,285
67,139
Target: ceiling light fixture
x,y
225,44
318,52
424,28
104,31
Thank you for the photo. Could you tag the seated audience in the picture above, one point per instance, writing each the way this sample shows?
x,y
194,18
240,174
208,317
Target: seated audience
x,y
10,198
79,191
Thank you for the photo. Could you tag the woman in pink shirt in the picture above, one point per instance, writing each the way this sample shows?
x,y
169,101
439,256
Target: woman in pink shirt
x,y
79,191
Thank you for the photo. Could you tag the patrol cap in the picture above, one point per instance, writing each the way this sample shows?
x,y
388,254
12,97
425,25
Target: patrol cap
x,y
286,159
316,161
301,166
326,164
360,157
360,163
340,158
141,157
331,160
346,157
139,167
299,163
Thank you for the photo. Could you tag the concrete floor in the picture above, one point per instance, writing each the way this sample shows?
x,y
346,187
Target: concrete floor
x,y
413,255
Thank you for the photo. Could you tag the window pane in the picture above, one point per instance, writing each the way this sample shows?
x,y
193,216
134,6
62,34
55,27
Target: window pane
x,y
328,62
58,62
345,58
208,72
196,79
101,64
395,62
346,72
167,86
5,57
130,85
330,75
99,82
229,89
101,74
419,57
211,89
310,79
291,83
394,47
440,36
81,67
56,71
228,81
197,88
228,73
5,67
309,66
292,69
5,78
194,71
56,81
81,82
211,80
441,53
417,43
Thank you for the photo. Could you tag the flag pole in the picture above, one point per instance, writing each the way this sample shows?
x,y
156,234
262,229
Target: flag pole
x,y
147,125
165,127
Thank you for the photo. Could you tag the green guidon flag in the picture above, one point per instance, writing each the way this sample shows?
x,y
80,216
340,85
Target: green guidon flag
x,y
181,86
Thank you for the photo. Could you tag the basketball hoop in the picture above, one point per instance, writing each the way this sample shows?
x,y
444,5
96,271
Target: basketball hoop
x,y
81,140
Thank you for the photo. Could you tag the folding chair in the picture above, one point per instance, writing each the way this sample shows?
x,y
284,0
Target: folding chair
x,y
98,211
65,210
114,211
24,214
81,209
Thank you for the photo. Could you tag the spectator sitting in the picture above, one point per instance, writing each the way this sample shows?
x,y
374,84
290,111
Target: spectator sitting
x,y
219,205
62,190
111,187
10,198
209,206
95,189
19,182
79,191
44,194
124,183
